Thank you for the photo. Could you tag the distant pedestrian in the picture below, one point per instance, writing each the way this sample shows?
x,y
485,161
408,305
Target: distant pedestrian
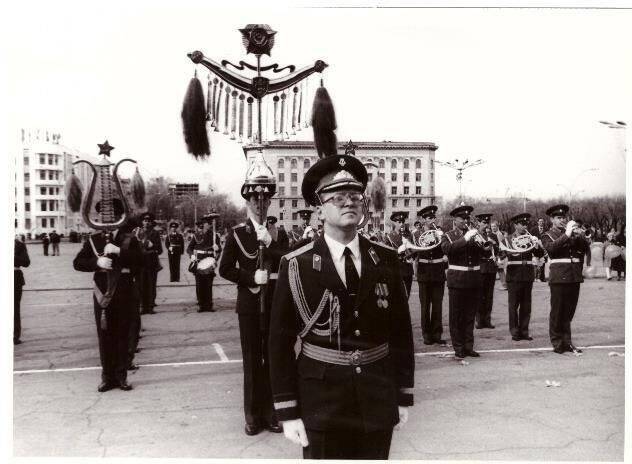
x,y
174,243
20,259
54,240
617,264
45,242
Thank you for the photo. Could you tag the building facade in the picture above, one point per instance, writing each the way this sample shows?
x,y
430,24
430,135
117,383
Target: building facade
x,y
407,169
42,165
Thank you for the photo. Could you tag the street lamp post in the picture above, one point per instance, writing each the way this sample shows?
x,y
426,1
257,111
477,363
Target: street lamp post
x,y
459,166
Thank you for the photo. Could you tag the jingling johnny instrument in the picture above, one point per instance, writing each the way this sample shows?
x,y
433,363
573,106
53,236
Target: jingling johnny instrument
x,y
113,211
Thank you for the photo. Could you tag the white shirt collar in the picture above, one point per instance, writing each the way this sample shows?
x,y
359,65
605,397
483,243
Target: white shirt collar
x,y
337,249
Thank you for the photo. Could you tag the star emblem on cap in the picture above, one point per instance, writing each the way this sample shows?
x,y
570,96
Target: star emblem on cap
x,y
342,162
105,148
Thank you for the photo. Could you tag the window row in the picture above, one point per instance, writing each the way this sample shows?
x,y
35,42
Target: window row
x,y
46,190
380,163
49,205
52,159
294,204
43,174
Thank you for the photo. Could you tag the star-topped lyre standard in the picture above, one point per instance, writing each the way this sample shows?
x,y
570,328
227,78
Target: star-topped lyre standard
x,y
105,148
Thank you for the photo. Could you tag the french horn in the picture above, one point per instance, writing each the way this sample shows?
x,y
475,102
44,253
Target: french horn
x,y
521,243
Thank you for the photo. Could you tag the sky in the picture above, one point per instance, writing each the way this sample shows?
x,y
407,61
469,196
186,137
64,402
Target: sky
x,y
523,89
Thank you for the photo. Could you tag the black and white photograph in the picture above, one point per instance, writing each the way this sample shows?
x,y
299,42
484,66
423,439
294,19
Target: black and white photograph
x,y
316,230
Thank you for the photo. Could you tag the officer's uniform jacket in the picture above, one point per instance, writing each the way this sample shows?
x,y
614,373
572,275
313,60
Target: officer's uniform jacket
x,y
312,302
20,259
151,261
394,240
176,241
489,255
566,256
431,264
129,260
201,245
239,263
520,265
464,260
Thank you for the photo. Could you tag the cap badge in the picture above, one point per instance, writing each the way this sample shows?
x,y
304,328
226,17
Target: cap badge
x,y
343,175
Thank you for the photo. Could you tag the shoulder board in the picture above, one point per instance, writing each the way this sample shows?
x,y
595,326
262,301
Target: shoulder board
x,y
239,225
299,251
382,245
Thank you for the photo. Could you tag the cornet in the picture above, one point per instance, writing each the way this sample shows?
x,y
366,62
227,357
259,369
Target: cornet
x,y
478,238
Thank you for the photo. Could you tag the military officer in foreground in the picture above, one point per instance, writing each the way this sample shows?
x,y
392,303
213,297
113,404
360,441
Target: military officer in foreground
x,y
464,249
566,245
174,243
343,296
431,265
395,239
520,277
239,264
488,273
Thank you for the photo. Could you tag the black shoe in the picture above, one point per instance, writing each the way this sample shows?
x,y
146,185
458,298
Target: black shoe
x,y
516,338
105,386
490,326
526,337
459,354
17,341
428,342
125,386
472,353
149,311
137,350
478,326
441,342
274,427
132,367
559,349
203,310
573,349
212,310
252,429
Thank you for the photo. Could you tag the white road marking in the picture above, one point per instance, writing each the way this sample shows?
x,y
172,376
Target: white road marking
x,y
518,350
220,352
225,360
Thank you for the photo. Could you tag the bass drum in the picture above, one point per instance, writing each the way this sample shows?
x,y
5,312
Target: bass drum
x,y
612,251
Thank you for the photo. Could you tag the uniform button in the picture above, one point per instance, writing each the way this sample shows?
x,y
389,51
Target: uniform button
x,y
356,314
357,333
358,370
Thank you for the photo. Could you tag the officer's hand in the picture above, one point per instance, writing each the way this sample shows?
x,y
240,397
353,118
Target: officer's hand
x,y
469,234
569,227
215,247
261,277
294,430
439,233
402,248
403,417
263,235
104,263
111,249
149,244
193,258
309,232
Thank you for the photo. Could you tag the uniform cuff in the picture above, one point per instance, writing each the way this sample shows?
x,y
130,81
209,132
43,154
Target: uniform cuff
x,y
286,408
405,397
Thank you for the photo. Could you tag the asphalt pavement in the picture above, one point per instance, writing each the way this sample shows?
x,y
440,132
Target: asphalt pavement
x,y
187,400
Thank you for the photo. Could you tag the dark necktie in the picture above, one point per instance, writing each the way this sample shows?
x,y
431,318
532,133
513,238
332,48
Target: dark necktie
x,y
351,274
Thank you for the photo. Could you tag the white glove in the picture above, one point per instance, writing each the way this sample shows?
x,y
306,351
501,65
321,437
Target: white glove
x,y
263,235
309,232
215,247
439,233
193,258
403,417
104,263
261,277
294,430
401,248
110,248
170,249
469,234
569,227
149,244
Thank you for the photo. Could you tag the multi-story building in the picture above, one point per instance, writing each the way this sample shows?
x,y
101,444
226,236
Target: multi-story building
x,y
42,165
407,169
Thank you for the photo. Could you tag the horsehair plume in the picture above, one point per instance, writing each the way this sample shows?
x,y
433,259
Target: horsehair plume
x,y
74,192
194,120
324,124
378,194
138,189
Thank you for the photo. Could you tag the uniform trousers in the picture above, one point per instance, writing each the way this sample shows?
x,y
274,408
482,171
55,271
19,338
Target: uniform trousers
x,y
253,333
353,444
17,319
134,328
113,342
564,299
55,249
486,301
431,301
45,249
174,267
463,303
519,294
147,284
204,290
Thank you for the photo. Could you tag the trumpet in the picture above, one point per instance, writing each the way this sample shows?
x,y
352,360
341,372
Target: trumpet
x,y
478,238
